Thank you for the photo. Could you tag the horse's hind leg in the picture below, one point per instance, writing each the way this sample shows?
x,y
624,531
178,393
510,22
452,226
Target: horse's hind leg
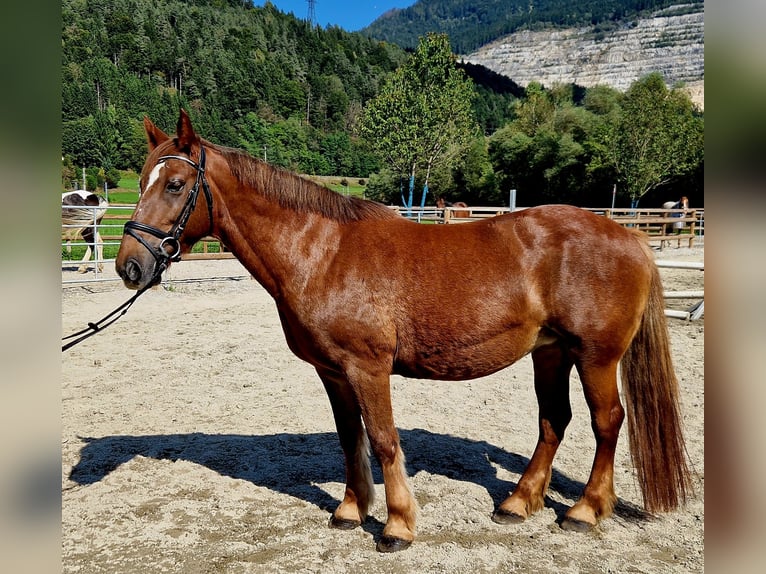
x,y
88,237
552,365
359,494
599,381
99,252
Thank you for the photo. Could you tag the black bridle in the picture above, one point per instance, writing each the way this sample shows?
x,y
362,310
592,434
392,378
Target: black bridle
x,y
171,239
162,256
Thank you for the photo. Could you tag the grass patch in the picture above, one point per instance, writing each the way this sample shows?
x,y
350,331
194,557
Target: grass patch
x,y
343,185
126,190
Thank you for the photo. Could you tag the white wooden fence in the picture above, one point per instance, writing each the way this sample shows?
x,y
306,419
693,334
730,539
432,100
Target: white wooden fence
x,y
697,309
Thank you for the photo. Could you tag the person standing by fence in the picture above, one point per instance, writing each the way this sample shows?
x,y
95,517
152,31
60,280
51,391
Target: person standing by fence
x,y
682,203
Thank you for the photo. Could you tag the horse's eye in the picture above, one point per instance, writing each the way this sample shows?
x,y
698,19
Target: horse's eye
x,y
175,186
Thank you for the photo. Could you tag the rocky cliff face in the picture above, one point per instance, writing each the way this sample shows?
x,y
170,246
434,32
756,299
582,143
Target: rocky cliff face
x,y
666,43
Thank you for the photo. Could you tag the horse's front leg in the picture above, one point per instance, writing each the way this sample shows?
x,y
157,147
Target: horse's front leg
x,y
373,392
359,494
84,262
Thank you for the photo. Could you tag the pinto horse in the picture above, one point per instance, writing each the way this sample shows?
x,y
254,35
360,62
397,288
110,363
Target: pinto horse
x,y
358,303
82,212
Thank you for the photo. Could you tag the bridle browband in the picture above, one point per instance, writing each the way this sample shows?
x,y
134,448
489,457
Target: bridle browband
x,y
161,256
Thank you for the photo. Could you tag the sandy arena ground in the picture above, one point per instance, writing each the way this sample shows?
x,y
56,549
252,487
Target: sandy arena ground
x,y
194,442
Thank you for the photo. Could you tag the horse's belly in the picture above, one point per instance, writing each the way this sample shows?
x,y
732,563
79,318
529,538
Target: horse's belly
x,y
424,370
466,362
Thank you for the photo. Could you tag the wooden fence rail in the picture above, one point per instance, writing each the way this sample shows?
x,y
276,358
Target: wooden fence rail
x,y
697,309
111,233
663,226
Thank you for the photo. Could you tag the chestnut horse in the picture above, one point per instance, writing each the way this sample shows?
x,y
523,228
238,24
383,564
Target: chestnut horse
x,y
441,203
358,303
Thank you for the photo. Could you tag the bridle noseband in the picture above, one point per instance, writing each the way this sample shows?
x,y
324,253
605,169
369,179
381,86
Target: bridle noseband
x,y
171,238
161,256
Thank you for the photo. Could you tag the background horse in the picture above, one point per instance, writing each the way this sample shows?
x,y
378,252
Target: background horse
x,y
77,209
357,302
682,203
441,203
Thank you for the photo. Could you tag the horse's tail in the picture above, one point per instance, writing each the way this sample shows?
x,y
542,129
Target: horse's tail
x,y
651,397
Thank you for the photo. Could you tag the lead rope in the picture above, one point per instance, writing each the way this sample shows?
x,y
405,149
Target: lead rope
x,y
161,257
97,327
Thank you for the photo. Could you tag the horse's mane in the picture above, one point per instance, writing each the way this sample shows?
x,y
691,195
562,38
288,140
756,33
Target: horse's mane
x,y
297,193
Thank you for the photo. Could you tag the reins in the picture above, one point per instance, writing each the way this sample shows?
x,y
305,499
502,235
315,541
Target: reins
x,y
97,327
161,256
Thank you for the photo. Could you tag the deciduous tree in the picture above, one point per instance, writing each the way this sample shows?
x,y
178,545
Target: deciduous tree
x,y
422,116
659,137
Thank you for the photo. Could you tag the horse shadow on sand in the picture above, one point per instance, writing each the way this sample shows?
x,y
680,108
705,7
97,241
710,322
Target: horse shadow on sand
x,y
294,464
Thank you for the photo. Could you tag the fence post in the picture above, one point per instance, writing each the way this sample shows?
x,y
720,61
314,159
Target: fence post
x,y
691,227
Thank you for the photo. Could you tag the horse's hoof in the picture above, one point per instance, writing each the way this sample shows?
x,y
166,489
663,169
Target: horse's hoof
x,y
574,525
343,523
505,517
392,544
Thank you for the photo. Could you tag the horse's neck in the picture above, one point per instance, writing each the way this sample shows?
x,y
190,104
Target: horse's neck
x,y
280,247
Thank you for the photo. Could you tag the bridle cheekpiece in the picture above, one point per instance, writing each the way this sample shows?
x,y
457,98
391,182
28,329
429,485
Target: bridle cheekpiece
x,y
161,254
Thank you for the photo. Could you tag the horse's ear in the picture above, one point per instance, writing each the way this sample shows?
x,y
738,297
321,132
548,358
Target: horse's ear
x,y
154,135
186,136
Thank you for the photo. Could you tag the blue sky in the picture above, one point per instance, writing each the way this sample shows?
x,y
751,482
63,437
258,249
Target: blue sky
x,y
350,16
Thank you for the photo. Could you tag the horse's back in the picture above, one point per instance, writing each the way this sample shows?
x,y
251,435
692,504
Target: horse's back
x,y
580,268
77,207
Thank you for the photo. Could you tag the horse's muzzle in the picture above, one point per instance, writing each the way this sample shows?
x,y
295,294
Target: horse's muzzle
x,y
136,275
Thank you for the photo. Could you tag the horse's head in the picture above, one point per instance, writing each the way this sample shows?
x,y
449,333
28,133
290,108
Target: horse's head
x,y
168,219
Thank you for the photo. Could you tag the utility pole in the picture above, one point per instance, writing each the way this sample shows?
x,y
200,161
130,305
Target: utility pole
x,y
311,18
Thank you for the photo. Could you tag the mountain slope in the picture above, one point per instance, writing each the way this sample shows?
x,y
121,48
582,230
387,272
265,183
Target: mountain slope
x,y
667,42
585,42
473,23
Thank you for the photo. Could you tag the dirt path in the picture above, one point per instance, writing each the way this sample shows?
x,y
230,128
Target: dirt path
x,y
195,442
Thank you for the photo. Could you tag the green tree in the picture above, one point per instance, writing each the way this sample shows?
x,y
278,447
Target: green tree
x,y
79,141
543,152
381,184
422,117
535,110
474,179
108,139
659,137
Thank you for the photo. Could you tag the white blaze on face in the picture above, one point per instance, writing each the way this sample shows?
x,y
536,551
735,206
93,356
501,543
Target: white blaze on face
x,y
154,175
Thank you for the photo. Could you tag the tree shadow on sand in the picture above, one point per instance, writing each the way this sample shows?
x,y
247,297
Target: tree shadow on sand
x,y
294,464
